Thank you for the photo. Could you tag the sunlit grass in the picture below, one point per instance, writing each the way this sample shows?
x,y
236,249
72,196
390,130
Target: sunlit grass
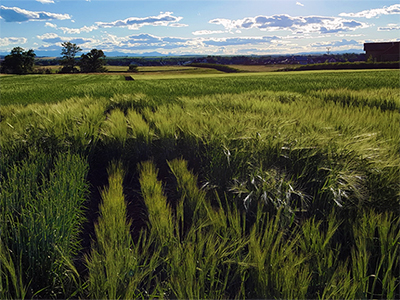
x,y
249,186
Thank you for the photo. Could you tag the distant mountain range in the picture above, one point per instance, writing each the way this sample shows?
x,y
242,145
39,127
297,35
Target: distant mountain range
x,y
158,54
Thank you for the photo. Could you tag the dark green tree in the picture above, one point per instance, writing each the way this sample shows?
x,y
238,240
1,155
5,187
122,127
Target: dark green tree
x,y
133,68
93,62
68,53
19,61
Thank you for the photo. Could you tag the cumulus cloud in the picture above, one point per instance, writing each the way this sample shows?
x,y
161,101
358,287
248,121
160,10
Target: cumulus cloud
x,y
55,39
6,41
300,4
307,24
45,1
206,32
16,14
389,27
239,41
143,42
72,30
178,25
147,42
340,43
51,38
48,24
163,19
391,10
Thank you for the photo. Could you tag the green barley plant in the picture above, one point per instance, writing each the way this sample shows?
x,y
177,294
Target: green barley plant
x,y
42,204
280,185
375,256
115,127
11,281
196,208
139,129
206,261
384,98
110,260
277,271
322,253
159,211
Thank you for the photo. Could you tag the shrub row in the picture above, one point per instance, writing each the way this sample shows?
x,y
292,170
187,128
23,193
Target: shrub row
x,y
344,66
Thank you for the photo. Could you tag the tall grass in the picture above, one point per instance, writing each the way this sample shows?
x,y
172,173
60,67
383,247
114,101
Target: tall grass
x,y
117,267
278,186
110,261
52,89
41,212
159,211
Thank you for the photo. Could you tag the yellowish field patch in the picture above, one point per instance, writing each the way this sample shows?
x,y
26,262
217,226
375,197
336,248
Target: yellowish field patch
x,y
259,68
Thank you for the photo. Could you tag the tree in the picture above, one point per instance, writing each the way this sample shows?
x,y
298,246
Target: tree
x,y
93,62
133,68
19,61
68,53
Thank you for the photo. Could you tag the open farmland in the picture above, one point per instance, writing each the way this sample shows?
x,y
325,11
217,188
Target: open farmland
x,y
249,185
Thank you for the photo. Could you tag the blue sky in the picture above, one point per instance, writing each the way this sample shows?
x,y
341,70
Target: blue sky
x,y
228,27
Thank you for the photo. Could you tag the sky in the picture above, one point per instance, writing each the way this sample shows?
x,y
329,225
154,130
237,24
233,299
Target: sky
x,y
187,27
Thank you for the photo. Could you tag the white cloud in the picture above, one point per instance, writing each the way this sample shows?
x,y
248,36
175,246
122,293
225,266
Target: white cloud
x,y
300,4
78,30
72,30
45,1
139,43
206,32
240,41
340,43
48,24
16,14
391,10
389,27
5,41
163,19
55,39
178,25
307,24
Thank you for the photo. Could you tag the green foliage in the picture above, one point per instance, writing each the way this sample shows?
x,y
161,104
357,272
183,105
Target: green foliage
x,y
68,53
19,61
159,212
109,262
133,68
92,62
41,212
369,64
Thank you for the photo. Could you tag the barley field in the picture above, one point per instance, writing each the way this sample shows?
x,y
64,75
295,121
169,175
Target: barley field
x,y
248,185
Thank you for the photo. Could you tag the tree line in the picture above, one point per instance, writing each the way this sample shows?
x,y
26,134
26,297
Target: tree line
x,y
20,61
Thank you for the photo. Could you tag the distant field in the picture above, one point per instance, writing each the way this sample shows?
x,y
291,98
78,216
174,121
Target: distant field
x,y
153,70
54,88
156,70
189,184
260,68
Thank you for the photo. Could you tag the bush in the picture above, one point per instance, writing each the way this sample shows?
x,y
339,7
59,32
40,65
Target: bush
x,y
346,66
133,68
43,71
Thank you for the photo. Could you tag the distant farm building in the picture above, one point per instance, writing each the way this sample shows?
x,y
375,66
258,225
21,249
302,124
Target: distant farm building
x,y
383,51
302,60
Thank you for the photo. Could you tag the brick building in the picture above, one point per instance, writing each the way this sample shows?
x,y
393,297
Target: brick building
x,y
383,51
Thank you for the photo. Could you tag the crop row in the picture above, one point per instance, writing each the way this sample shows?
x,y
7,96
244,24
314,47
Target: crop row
x,y
250,194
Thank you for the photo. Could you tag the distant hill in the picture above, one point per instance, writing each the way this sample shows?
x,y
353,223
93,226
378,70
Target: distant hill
x,y
54,54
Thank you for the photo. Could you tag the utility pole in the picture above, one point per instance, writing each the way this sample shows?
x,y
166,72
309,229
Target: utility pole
x,y
328,48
